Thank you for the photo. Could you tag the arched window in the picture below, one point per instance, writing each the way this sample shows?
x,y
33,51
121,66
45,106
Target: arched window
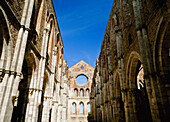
x,y
140,78
141,101
75,92
74,108
87,92
81,108
88,108
81,92
81,80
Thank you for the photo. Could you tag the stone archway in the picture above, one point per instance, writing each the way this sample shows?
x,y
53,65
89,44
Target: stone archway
x,y
138,98
161,58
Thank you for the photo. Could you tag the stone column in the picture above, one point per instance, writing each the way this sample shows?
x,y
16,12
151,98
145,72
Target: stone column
x,y
55,103
59,113
6,104
37,100
54,111
152,81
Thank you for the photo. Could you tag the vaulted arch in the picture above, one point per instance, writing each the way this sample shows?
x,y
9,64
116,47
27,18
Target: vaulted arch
x,y
161,51
138,94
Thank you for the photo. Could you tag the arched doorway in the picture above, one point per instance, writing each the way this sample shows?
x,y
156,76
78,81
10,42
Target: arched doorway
x,y
140,102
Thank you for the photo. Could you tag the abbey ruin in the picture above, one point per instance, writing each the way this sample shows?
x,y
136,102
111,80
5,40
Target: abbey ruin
x,y
130,82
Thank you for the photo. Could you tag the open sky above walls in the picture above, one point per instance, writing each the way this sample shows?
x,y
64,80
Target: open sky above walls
x,y
82,24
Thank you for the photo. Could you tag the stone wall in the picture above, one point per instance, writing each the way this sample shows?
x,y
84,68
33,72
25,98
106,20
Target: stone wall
x,y
33,73
83,91
134,51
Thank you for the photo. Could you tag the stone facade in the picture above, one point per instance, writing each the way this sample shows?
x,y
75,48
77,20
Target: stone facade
x,y
129,83
33,73
79,94
131,78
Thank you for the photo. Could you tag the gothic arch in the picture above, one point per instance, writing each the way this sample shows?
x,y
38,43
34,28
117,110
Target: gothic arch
x,y
130,74
139,97
161,51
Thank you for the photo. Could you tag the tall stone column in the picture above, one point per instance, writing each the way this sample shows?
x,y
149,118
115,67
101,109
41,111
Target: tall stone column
x,y
37,100
56,101
159,111
54,111
6,104
59,113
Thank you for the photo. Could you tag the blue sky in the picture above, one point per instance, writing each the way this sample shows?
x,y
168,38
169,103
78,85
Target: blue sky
x,y
82,24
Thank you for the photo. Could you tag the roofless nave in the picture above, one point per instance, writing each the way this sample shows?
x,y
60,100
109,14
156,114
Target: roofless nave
x,y
129,83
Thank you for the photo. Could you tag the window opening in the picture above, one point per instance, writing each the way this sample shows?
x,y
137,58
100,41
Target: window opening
x,y
75,92
74,108
87,92
82,68
81,108
81,93
81,80
88,108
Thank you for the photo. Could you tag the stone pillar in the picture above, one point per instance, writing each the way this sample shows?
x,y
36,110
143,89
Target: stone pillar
x,y
41,71
6,104
59,113
64,114
54,111
158,110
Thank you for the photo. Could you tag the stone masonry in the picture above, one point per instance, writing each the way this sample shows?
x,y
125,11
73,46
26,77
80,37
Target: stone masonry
x,y
79,98
33,73
130,82
131,78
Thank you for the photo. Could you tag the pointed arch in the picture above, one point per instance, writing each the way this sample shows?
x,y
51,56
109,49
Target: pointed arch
x,y
139,98
161,51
